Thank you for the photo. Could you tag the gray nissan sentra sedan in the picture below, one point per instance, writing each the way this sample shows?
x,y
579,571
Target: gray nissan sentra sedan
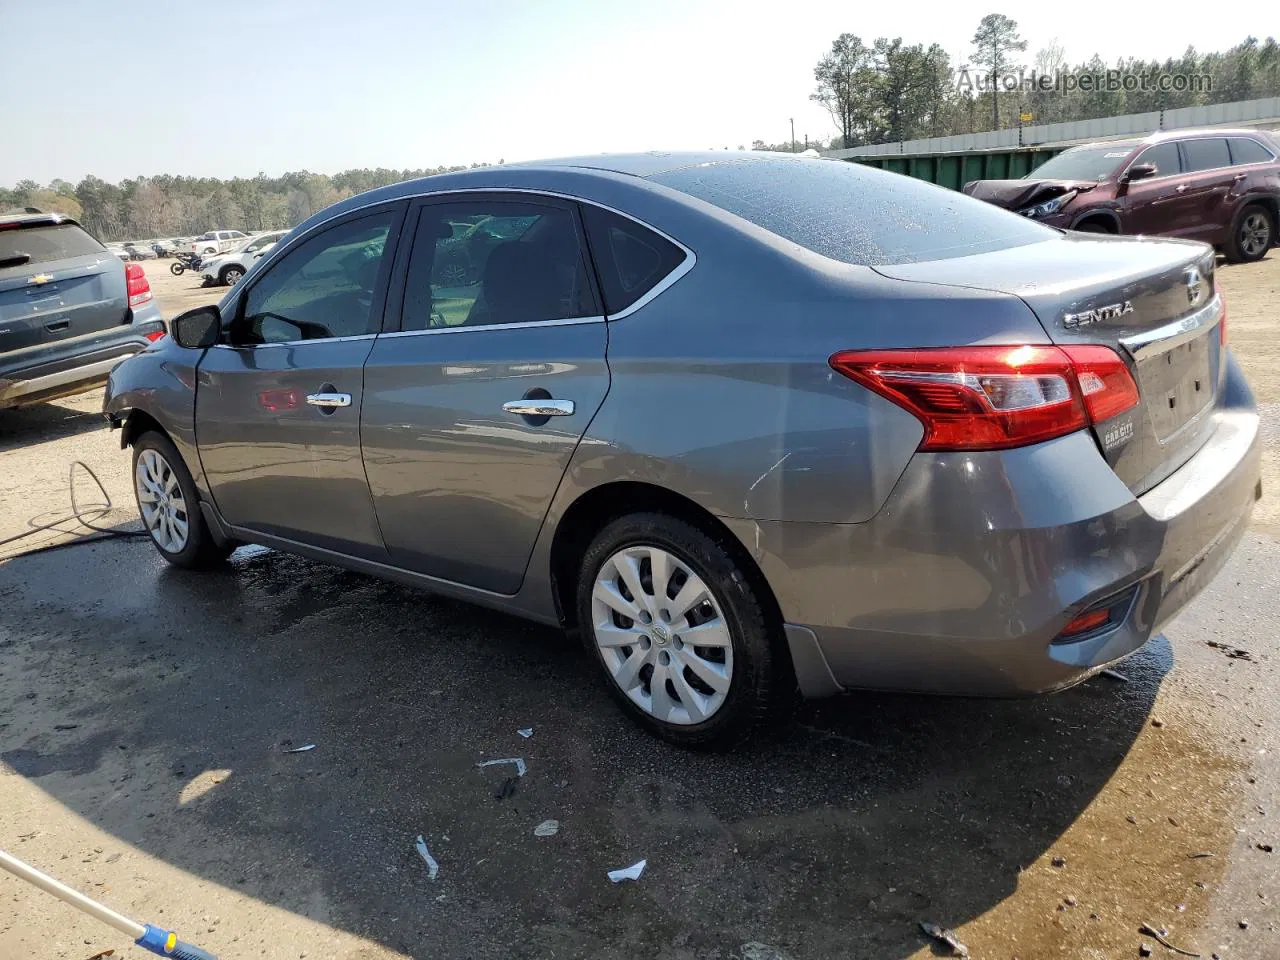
x,y
750,423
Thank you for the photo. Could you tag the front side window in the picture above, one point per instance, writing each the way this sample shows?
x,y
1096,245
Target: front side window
x,y
1244,150
1164,156
326,287
1207,154
630,258
487,262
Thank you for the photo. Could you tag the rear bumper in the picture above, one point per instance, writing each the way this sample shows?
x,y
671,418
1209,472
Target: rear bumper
x,y
976,563
61,369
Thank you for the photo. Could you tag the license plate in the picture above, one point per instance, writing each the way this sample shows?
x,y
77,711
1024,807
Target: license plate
x,y
1177,384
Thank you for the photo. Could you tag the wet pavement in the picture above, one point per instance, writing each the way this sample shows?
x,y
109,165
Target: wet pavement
x,y
154,706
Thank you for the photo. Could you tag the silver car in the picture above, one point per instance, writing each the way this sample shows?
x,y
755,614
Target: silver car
x,y
751,424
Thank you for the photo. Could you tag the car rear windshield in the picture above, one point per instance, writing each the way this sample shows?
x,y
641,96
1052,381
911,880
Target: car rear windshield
x,y
853,213
1083,163
21,248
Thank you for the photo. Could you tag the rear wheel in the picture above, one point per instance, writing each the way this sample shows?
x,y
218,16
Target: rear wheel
x,y
1251,235
170,505
683,638
176,268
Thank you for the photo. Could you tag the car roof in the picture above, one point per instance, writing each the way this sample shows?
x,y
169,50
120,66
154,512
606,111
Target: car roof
x,y
24,219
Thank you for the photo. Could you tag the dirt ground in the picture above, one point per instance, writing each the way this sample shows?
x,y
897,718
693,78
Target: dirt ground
x,y
145,713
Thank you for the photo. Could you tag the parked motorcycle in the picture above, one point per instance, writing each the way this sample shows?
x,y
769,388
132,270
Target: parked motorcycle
x,y
182,261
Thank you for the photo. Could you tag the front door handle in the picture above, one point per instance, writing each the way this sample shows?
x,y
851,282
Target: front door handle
x,y
538,407
329,399
1181,188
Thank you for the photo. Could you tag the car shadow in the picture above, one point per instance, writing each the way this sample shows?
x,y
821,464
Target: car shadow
x,y
832,836
44,422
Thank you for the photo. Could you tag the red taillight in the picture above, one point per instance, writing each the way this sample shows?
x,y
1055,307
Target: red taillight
x,y
154,335
996,397
1086,622
139,285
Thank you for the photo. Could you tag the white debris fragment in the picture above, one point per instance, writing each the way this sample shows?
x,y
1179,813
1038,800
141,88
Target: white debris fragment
x,y
433,868
518,761
628,873
526,732
303,749
547,828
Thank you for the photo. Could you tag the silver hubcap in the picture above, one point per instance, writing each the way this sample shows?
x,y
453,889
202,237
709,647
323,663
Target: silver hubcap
x,y
160,500
1255,234
661,635
233,277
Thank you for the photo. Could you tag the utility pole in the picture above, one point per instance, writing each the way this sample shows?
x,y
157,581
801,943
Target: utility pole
x,y
793,134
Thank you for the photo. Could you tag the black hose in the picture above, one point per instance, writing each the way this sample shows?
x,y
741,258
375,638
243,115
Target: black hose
x,y
84,515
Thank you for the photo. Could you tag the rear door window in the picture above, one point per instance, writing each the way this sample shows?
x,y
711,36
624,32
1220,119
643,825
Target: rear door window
x,y
1209,153
630,258
1164,156
26,246
486,262
1244,150
854,213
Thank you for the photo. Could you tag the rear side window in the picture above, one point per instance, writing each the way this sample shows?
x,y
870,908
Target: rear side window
x,y
26,246
1164,156
853,213
630,258
1207,154
1248,151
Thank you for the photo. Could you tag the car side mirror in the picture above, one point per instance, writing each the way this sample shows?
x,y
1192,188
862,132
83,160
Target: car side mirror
x,y
198,328
1140,171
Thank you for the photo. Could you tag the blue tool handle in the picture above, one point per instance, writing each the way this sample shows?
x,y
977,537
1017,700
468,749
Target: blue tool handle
x,y
166,944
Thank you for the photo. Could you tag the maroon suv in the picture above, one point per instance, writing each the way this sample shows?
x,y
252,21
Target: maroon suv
x,y
1219,186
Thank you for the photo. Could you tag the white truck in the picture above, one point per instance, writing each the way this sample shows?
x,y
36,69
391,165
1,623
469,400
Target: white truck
x,y
217,241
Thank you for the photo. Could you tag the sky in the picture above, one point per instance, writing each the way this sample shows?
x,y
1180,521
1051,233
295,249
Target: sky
x,y
233,87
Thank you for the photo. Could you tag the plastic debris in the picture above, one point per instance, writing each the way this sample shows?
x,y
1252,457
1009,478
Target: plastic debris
x,y
302,749
628,873
1265,847
1161,937
1144,949
1113,674
945,938
433,868
518,761
1200,856
547,828
1059,861
526,732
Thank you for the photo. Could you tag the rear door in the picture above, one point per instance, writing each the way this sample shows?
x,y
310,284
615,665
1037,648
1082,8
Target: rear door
x,y
1209,181
278,405
56,283
475,404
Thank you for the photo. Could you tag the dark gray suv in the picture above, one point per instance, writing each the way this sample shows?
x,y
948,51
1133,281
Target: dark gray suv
x,y
69,309
749,423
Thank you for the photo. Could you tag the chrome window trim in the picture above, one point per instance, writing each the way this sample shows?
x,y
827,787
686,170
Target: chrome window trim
x,y
294,343
521,325
689,262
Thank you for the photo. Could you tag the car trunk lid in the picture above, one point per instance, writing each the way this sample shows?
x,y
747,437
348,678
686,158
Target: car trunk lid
x,y
1154,301
57,282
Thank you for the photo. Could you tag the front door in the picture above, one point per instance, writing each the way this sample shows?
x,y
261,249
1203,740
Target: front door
x,y
473,409
278,404
1153,206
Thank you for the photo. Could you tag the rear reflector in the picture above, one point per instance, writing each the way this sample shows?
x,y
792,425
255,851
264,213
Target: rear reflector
x,y
1086,622
154,335
139,285
996,397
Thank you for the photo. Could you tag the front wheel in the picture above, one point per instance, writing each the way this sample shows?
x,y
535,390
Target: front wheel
x,y
231,276
176,268
170,505
678,626
1252,234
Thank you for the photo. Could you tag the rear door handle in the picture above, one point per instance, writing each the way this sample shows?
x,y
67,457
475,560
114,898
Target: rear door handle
x,y
57,326
329,399
538,407
1181,188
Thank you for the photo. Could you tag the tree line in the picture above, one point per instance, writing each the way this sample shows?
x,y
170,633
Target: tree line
x,y
882,92
888,90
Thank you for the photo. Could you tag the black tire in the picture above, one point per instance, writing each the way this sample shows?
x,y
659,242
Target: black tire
x,y
1244,244
762,683
230,276
176,268
200,551
1094,226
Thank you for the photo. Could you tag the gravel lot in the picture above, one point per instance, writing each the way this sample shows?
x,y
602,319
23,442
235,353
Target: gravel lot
x,y
144,713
